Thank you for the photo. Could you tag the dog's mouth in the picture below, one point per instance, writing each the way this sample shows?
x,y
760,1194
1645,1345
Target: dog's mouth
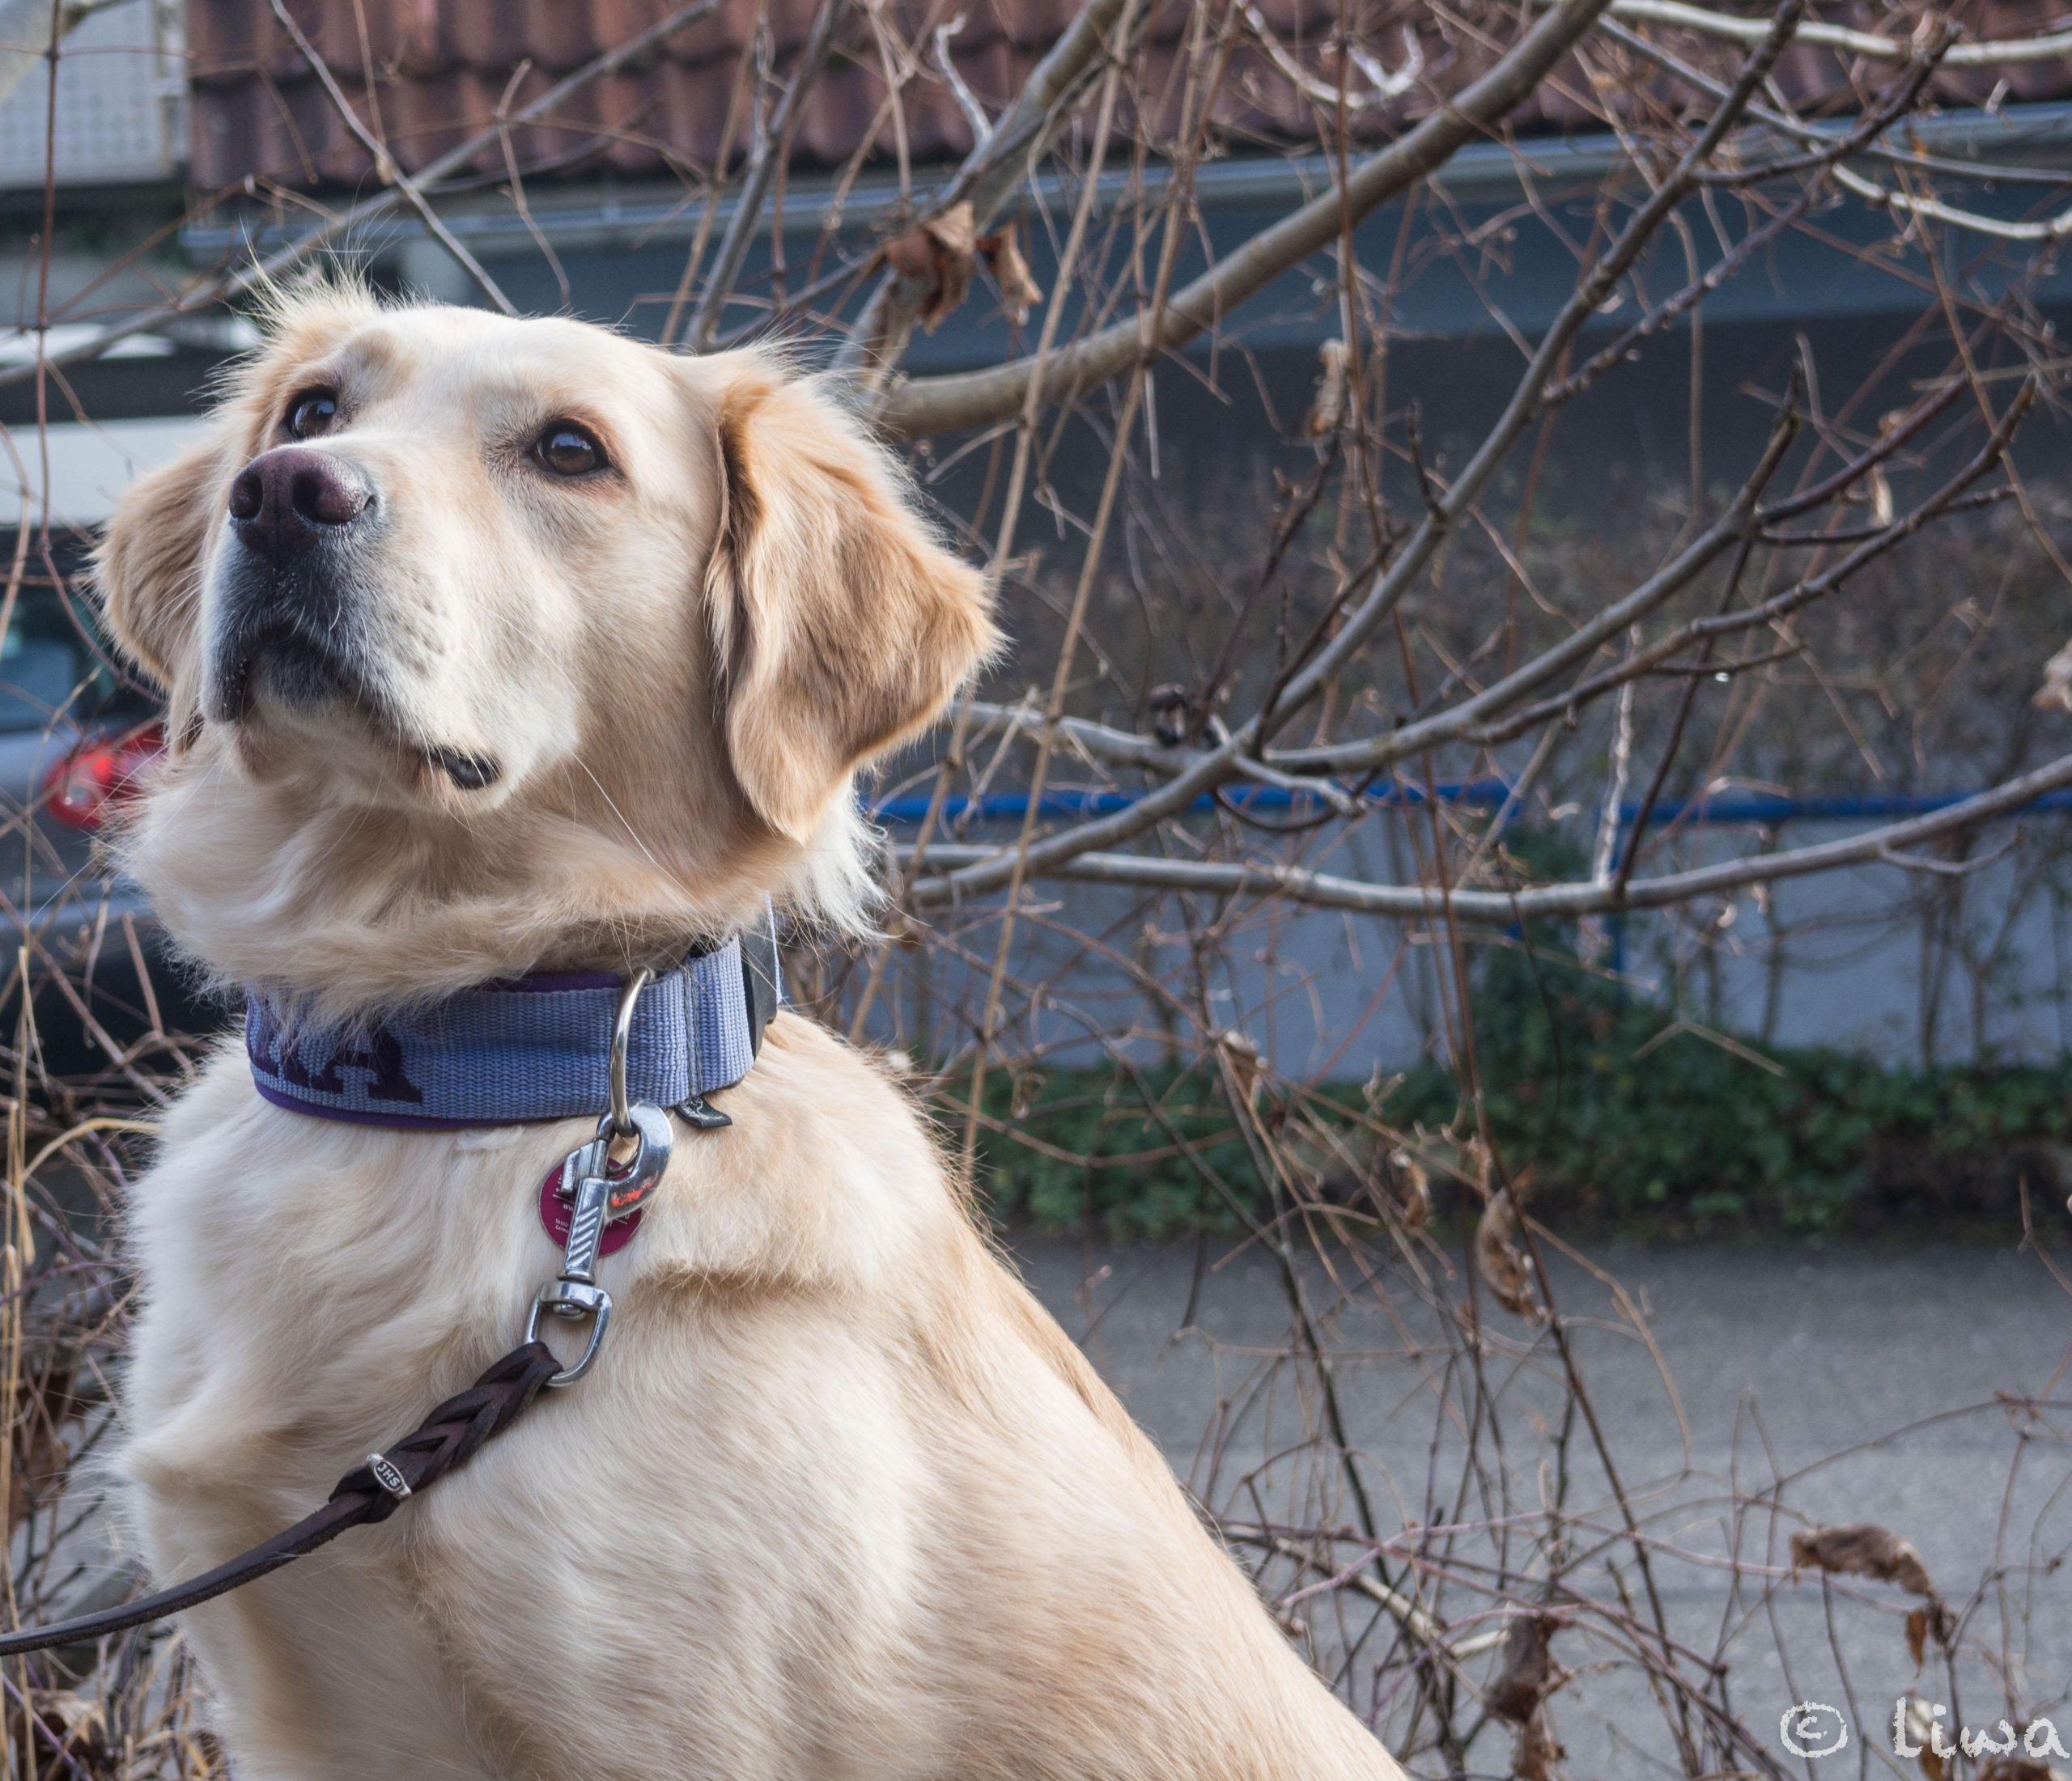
x,y
284,664
299,671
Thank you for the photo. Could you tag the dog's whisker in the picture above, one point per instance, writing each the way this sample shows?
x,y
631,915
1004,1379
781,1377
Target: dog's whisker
x,y
632,833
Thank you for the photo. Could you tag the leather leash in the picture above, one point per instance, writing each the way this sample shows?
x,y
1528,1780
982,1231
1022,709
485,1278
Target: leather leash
x,y
450,1436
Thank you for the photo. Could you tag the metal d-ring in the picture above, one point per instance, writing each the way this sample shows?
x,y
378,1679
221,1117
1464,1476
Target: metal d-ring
x,y
629,998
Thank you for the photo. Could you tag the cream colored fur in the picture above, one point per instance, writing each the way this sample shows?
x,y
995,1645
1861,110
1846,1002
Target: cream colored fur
x,y
840,1500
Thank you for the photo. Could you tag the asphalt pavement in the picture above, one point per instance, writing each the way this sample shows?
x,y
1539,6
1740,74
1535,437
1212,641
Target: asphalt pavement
x,y
1743,1393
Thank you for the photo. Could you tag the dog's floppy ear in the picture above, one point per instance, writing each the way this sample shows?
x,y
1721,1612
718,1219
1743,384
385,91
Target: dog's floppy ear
x,y
147,571
841,624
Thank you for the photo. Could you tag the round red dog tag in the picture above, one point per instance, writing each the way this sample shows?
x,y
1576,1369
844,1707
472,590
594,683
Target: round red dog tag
x,y
554,1215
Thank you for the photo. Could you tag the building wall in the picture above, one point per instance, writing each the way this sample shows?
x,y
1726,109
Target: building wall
x,y
121,112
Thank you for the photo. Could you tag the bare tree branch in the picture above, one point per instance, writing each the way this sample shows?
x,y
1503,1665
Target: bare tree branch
x,y
1988,52
1525,404
998,162
766,156
385,168
1327,890
2045,230
945,404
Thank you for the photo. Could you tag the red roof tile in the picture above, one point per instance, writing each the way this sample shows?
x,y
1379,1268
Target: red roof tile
x,y
433,72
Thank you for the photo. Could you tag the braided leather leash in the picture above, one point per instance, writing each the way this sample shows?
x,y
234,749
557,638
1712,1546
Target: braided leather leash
x,y
450,1436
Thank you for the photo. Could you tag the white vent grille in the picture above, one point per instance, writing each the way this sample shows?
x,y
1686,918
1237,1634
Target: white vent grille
x,y
121,112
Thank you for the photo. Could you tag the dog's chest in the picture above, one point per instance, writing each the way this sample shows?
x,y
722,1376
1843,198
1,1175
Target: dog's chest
x,y
307,1294
728,1496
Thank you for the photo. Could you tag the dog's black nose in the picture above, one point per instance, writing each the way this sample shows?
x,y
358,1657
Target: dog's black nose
x,y
285,500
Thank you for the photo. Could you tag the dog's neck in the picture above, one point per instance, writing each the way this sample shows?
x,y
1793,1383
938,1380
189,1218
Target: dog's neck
x,y
344,914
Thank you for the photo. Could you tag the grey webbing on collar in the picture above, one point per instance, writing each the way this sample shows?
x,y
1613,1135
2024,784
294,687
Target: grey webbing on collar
x,y
535,1048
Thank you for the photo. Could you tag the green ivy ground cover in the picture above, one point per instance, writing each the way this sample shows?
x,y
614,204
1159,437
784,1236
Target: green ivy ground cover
x,y
1628,1124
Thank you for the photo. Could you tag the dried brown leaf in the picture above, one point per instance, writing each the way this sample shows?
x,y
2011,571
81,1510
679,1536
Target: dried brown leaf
x,y
1919,1724
1526,1675
1881,498
1002,253
1930,1620
1537,1755
2019,1768
1243,1057
937,255
2055,694
1334,387
43,1404
76,1719
1860,1550
955,231
1504,1267
67,1736
1414,1185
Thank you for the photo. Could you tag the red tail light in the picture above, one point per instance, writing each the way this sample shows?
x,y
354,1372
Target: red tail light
x,y
80,790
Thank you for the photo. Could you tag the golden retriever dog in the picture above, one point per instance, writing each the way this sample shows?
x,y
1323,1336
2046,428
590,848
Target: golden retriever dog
x,y
591,639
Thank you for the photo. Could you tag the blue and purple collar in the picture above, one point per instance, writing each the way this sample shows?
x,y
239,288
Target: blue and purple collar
x,y
535,1048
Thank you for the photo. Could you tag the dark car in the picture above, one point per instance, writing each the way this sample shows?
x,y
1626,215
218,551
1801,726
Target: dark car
x,y
74,735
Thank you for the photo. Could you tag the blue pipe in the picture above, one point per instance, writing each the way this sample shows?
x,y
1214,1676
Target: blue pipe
x,y
1743,808
1012,806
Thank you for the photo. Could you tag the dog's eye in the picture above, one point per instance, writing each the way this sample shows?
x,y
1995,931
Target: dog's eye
x,y
567,449
312,413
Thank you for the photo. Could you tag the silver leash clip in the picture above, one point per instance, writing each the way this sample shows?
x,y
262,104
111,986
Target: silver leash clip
x,y
601,1193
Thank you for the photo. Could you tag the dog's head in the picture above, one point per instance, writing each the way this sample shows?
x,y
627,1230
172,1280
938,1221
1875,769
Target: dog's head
x,y
464,620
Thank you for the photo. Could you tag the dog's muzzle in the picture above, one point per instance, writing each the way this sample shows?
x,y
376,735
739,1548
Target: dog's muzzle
x,y
301,518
